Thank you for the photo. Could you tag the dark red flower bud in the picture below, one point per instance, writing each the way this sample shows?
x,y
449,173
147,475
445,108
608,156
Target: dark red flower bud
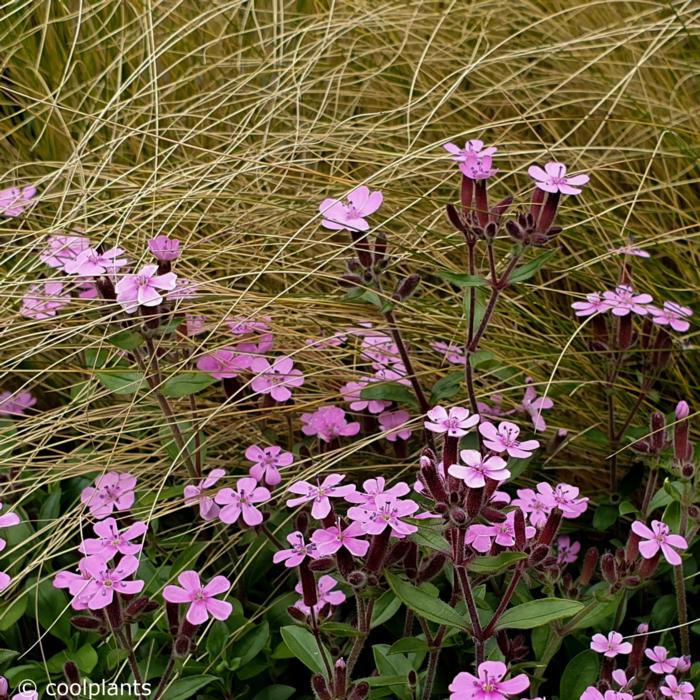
x,y
182,647
657,438
379,545
380,248
340,680
631,581
493,515
481,201
320,687
608,568
397,551
662,346
590,560
296,614
538,554
85,622
301,522
632,548
432,567
548,212
362,248
346,563
139,606
649,566
557,440
434,483
71,672
172,613
407,287
115,614
474,501
458,516
308,584
359,691
322,564
519,529
625,332
466,193
681,445
551,527
454,218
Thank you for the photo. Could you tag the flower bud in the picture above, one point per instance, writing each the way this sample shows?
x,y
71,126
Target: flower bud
x,y
172,613
687,471
407,287
657,438
683,665
456,220
548,212
182,647
86,623
115,613
4,688
397,552
432,567
71,672
359,691
493,515
164,249
625,331
474,500
320,687
632,548
411,560
434,483
322,564
458,516
608,568
550,528
681,445
139,606
308,584
340,680
378,548
519,529
663,344
345,562
649,566
538,555
380,247
590,560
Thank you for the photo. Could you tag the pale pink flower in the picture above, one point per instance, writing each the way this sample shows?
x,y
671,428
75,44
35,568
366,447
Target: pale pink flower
x,y
533,405
43,300
164,248
14,202
61,249
15,404
330,539
105,582
480,537
662,663
387,512
338,215
471,147
594,304
565,497
267,461
453,353
677,690
553,178
110,541
624,300
319,494
659,537
77,584
299,551
112,491
592,693
488,684
197,495
224,363
87,289
629,249
194,324
183,289
477,166
673,315
241,502
374,489
276,379
395,425
535,505
26,695
326,595
479,468
328,423
504,531
610,646
351,393
380,350
505,439
202,599
6,520
455,422
91,263
242,325
144,288
567,551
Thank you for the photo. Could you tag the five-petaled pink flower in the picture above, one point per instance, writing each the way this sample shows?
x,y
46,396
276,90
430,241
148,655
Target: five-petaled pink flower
x,y
657,537
565,497
15,404
479,468
592,693
488,684
112,491
455,422
534,504
623,300
567,551
6,520
110,541
553,178
224,363
328,423
533,405
338,216
477,166
594,304
14,201
610,646
452,352
91,263
202,599
329,540
299,551
267,461
144,288
352,393
276,379
164,248
326,595
240,502
663,664
43,300
395,425
373,490
61,249
386,512
471,147
105,582
677,690
505,439
673,315
319,494
194,495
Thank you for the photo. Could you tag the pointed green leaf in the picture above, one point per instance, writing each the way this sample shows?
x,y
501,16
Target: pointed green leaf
x,y
538,612
186,384
303,645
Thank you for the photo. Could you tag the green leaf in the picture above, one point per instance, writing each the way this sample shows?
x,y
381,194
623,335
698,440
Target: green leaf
x,y
276,692
251,643
492,565
184,688
127,340
579,673
672,516
340,629
524,272
51,507
8,436
446,387
408,645
11,611
303,645
605,516
462,280
385,608
84,658
538,612
603,607
389,391
186,384
121,381
479,305
429,607
364,295
429,537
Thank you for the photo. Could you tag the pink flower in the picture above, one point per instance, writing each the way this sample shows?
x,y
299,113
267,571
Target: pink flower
x,y
553,178
624,300
202,599
61,249
533,405
329,540
15,404
374,489
6,520
326,595
91,263
662,663
26,695
505,439
338,216
14,202
659,537
105,582
472,147
673,315
386,512
592,693
76,584
164,248
334,341
143,289
224,363
43,300
328,423
112,491
488,684
480,537
505,531
299,551
208,509
477,166
564,497
567,552
266,463
241,501
111,541
276,378
677,691
456,421
610,646
183,289
452,352
380,350
535,505
351,393
319,494
241,325
395,425
194,324
631,250
594,304
479,469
